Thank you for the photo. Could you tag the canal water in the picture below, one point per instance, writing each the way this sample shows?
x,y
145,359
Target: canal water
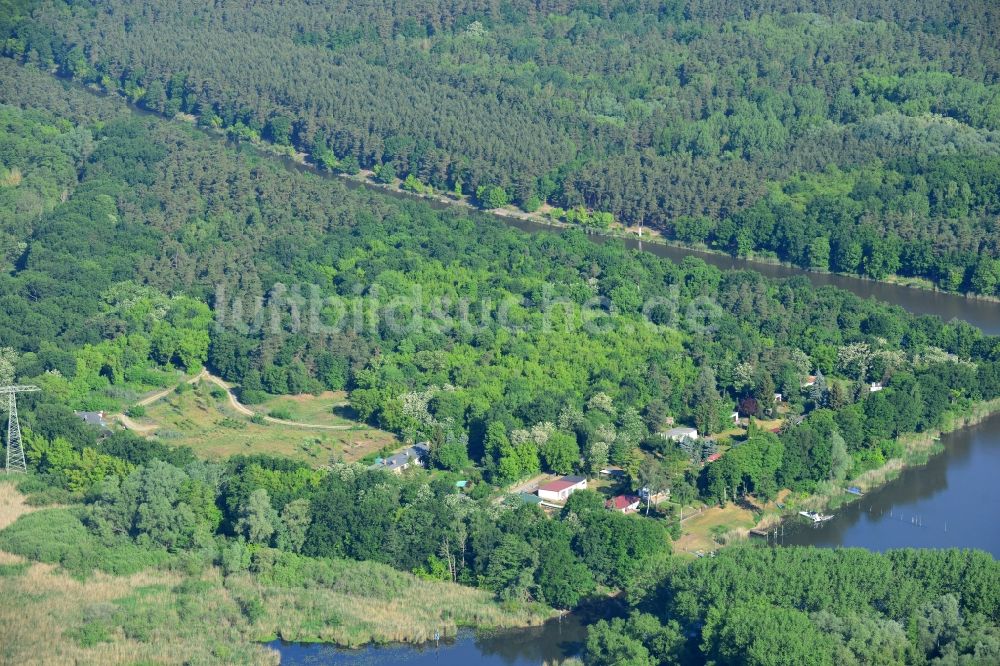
x,y
980,313
552,643
951,502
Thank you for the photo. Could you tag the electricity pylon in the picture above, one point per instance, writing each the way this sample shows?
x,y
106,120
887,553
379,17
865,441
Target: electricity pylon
x,y
15,451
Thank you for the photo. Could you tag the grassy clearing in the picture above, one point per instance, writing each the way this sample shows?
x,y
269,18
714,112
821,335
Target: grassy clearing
x,y
328,408
396,608
713,527
172,615
208,424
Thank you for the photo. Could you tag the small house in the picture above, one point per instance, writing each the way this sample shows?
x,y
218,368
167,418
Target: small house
x,y
875,387
778,397
669,420
613,472
560,489
654,498
93,418
623,503
96,419
810,381
403,460
734,417
712,458
678,434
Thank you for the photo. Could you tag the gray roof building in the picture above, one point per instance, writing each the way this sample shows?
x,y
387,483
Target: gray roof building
x,y
397,462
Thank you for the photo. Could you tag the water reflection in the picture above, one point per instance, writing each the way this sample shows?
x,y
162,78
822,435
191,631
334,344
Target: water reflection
x,y
950,502
552,643
980,313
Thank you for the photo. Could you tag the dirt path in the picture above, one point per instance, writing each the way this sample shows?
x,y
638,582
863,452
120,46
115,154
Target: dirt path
x,y
205,375
530,485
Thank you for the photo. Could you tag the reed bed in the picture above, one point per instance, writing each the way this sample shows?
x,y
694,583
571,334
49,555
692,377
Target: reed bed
x,y
158,615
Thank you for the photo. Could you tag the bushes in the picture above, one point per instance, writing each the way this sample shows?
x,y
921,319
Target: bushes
x,y
282,413
57,536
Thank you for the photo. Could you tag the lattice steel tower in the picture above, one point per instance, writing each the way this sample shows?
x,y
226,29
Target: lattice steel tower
x,y
15,451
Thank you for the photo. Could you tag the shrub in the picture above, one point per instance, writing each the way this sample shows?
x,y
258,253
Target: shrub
x,y
90,634
136,411
252,396
253,609
13,570
280,413
57,536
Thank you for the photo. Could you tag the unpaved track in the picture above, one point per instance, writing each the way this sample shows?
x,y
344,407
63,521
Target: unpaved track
x,y
233,402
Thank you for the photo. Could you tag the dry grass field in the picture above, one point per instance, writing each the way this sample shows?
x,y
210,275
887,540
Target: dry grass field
x,y
177,616
700,531
214,430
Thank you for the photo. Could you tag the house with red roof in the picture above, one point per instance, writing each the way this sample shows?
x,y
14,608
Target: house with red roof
x,y
623,503
560,489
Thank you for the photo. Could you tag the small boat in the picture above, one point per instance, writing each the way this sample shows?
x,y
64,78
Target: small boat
x,y
815,517
854,490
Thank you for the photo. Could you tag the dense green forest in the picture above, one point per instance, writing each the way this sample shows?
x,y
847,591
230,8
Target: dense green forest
x,y
567,355
756,606
840,135
136,249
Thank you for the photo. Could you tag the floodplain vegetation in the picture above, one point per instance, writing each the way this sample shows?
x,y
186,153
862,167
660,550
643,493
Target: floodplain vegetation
x,y
125,240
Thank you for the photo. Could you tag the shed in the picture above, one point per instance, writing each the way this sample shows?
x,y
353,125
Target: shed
x,y
623,503
560,489
528,498
96,419
677,434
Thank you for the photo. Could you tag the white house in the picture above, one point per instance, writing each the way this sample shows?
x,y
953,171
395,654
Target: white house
x,y
876,386
677,434
623,503
560,489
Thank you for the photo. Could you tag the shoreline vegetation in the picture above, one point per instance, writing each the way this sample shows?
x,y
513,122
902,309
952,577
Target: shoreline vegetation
x,y
184,610
918,448
228,538
366,178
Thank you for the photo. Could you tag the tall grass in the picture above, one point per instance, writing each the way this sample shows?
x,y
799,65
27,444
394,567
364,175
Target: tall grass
x,y
353,603
61,607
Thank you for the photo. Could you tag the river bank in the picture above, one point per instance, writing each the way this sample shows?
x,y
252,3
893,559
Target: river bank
x,y
648,235
948,502
918,449
640,236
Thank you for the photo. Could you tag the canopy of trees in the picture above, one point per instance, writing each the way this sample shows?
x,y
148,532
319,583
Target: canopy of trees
x,y
846,135
758,606
566,354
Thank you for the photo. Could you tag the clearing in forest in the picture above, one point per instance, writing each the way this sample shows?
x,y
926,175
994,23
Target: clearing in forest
x,y
710,528
203,419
